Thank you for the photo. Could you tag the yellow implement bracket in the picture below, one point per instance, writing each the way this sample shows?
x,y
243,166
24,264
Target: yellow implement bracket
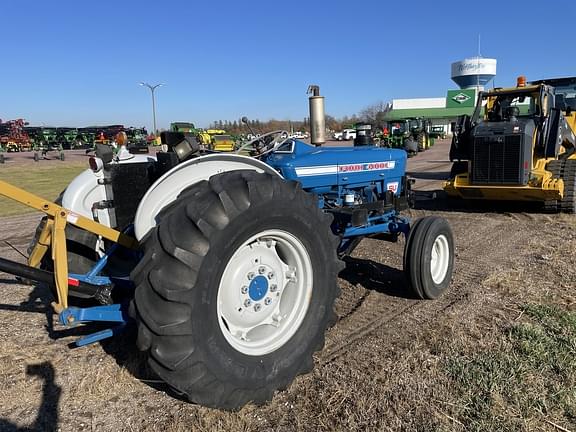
x,y
53,234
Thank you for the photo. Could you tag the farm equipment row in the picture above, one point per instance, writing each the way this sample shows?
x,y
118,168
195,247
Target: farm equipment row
x,y
18,136
226,263
413,135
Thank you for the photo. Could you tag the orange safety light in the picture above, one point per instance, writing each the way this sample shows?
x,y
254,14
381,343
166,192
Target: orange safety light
x,y
521,81
121,138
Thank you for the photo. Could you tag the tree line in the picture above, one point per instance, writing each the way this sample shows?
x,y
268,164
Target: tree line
x,y
373,114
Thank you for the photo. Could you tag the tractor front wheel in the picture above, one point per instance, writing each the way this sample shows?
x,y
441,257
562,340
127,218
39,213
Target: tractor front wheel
x,y
429,257
236,288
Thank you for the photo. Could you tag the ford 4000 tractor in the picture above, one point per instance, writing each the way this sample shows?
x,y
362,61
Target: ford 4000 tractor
x,y
227,263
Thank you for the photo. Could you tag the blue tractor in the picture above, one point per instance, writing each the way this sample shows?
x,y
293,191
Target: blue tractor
x,y
231,274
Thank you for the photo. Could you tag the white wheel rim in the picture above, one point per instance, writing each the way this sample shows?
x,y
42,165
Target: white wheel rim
x,y
264,292
439,259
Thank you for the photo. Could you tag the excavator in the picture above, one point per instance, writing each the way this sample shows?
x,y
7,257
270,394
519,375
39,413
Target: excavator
x,y
518,145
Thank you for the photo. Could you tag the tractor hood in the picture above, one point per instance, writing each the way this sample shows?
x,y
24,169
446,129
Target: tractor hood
x,y
325,167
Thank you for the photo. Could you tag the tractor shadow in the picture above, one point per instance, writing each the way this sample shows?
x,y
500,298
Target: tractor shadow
x,y
123,350
47,415
375,276
38,300
429,175
438,200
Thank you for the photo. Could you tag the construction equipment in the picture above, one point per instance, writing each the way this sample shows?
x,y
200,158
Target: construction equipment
x,y
518,145
211,139
216,139
227,263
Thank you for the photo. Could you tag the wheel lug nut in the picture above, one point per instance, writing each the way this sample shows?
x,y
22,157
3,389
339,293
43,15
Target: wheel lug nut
x,y
257,307
262,270
251,275
270,275
244,289
267,301
273,287
247,302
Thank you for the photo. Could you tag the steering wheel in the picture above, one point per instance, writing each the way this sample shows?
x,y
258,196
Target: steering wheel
x,y
265,143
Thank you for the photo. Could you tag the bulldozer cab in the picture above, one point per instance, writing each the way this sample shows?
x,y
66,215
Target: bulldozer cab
x,y
530,111
513,131
509,104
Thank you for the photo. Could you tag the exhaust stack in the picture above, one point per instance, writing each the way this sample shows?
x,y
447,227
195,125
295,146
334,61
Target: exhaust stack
x,y
317,117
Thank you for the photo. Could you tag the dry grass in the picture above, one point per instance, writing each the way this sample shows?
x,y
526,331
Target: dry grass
x,y
525,376
495,353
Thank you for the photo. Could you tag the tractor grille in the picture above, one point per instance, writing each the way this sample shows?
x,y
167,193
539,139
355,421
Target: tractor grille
x,y
497,159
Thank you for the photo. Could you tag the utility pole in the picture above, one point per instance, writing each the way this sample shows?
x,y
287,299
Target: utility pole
x,y
152,88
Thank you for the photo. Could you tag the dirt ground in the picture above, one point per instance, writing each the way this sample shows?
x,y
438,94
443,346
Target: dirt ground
x,y
51,158
388,362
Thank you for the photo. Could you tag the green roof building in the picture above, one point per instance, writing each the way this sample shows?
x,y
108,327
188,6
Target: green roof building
x,y
470,74
441,111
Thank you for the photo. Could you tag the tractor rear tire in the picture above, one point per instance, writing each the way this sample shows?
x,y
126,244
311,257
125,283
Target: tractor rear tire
x,y
568,203
80,248
236,288
411,147
429,257
423,142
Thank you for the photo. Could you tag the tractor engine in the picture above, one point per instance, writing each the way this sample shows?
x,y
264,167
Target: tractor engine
x,y
502,151
359,185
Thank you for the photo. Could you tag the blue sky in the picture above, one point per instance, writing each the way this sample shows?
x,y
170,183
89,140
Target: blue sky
x,y
79,63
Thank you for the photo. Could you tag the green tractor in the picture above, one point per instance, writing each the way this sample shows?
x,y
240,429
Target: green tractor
x,y
419,128
411,134
66,137
137,140
34,134
47,140
85,137
184,127
437,132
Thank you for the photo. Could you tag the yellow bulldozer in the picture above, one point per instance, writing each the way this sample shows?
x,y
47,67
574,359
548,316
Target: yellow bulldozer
x,y
518,145
216,139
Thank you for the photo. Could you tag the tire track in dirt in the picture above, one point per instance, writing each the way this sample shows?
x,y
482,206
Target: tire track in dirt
x,y
481,249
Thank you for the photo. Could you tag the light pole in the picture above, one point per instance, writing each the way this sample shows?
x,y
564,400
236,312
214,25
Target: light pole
x,y
152,88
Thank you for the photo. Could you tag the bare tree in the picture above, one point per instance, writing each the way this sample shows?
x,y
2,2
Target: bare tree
x,y
374,114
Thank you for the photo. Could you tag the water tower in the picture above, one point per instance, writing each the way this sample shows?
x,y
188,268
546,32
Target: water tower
x,y
474,72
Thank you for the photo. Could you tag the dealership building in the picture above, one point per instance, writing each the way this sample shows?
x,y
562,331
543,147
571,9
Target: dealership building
x,y
471,75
